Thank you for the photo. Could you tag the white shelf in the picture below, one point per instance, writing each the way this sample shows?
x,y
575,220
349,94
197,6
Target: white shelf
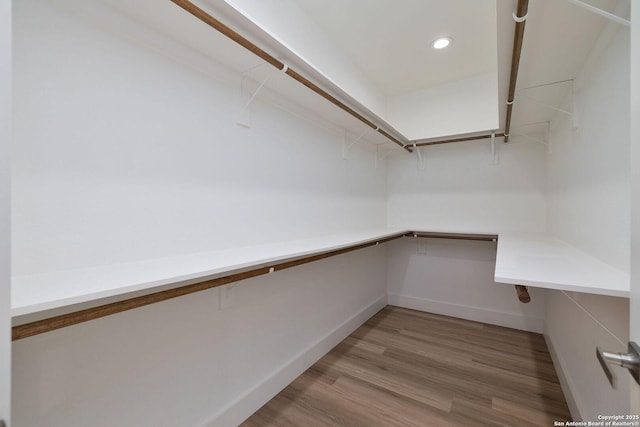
x,y
36,294
531,259
543,261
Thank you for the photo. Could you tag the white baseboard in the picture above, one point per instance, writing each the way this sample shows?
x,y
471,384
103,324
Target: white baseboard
x,y
478,314
565,383
244,406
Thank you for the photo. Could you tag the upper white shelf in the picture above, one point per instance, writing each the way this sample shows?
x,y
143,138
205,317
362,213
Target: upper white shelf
x,y
46,292
543,261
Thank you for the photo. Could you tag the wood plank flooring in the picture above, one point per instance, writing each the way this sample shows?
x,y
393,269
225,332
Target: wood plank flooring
x,y
409,368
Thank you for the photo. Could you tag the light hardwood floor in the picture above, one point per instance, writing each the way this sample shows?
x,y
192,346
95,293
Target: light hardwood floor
x,y
409,368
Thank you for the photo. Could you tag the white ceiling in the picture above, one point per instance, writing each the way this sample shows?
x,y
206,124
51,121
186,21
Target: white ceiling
x,y
390,40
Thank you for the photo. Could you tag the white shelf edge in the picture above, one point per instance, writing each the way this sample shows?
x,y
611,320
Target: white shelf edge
x,y
563,287
555,264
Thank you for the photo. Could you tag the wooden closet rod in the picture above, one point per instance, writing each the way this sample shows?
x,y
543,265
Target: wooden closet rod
x,y
518,37
454,236
523,294
466,138
236,37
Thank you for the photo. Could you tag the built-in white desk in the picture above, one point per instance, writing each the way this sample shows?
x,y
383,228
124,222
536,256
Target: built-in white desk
x,y
541,260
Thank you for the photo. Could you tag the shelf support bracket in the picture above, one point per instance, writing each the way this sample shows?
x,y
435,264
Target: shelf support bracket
x,y
420,158
378,157
574,106
544,104
346,148
547,135
531,138
255,93
244,114
494,152
573,113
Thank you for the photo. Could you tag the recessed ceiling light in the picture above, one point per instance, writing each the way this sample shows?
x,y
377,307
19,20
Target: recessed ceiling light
x,y
442,42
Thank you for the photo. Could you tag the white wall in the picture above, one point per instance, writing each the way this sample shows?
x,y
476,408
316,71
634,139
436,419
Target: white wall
x,y
459,107
123,154
589,208
115,142
575,324
182,362
589,169
459,189
5,139
455,278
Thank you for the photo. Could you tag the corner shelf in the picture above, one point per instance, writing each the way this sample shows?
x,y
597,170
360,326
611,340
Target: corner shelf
x,y
541,260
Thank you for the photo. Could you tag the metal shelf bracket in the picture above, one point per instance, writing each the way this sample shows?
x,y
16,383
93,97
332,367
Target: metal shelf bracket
x,y
243,117
603,13
346,148
524,94
380,157
495,157
418,152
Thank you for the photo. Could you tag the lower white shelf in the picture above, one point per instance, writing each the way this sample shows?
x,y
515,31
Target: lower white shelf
x,y
53,293
543,261
530,259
